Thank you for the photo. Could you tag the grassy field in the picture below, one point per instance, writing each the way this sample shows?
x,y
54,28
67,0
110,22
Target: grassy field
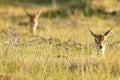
x,y
36,58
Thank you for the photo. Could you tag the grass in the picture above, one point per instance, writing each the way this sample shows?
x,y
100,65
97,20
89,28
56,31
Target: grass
x,y
35,58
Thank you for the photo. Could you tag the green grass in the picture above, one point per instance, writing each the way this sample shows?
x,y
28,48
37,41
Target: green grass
x,y
36,58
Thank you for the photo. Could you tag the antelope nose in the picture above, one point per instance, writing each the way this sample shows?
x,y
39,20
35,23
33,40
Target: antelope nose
x,y
100,47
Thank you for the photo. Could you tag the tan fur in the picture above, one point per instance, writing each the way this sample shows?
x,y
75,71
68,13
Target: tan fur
x,y
33,21
100,39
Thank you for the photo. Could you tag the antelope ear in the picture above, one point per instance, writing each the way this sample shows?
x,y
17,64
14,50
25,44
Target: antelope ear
x,y
107,32
93,34
38,14
27,12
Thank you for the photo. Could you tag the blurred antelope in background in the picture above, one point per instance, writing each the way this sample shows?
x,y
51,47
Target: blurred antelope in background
x,y
33,21
100,40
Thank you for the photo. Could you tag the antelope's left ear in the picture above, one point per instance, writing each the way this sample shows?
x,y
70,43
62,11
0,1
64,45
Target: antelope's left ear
x,y
93,34
28,14
107,32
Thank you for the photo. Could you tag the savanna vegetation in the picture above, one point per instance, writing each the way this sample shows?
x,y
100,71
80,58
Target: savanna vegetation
x,y
63,48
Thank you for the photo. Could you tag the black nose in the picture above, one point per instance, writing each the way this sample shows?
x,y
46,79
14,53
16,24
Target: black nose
x,y
100,47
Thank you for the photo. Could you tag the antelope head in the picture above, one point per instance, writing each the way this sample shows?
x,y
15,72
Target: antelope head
x,y
33,21
100,40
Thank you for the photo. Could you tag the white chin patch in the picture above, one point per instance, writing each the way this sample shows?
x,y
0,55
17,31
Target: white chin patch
x,y
101,51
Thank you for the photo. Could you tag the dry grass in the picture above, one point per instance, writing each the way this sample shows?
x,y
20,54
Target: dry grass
x,y
63,50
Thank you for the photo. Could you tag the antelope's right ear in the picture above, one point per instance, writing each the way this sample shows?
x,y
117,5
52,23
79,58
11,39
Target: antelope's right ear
x,y
93,34
38,14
